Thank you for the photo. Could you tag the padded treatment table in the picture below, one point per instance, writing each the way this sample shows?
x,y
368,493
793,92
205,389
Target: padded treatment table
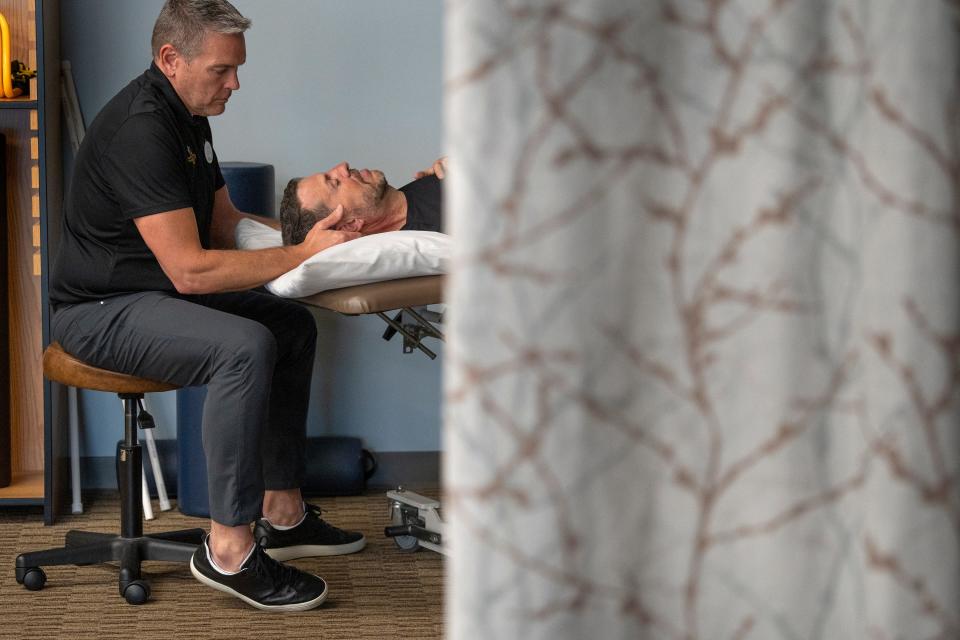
x,y
415,520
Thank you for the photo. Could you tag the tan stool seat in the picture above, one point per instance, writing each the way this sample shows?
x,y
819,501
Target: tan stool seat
x,y
60,366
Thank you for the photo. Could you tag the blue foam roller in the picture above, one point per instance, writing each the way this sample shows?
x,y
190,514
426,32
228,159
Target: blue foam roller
x,y
251,187
192,496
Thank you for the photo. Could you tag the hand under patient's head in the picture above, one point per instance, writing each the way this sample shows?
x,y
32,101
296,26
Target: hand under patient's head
x,y
310,199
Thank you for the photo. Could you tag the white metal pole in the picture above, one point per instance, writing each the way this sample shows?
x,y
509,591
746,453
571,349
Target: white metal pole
x,y
147,509
73,419
155,463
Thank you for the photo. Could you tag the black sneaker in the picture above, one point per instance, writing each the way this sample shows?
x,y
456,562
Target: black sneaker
x,y
312,537
262,582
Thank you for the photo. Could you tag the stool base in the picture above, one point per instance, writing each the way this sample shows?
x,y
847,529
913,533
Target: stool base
x,y
88,547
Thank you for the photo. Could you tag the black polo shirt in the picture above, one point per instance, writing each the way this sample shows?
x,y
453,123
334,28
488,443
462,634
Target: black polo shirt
x,y
424,204
144,154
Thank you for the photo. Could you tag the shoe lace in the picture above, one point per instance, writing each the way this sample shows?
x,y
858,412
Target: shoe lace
x,y
278,573
321,523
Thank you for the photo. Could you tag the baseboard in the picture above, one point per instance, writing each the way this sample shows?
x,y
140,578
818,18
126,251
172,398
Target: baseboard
x,y
412,469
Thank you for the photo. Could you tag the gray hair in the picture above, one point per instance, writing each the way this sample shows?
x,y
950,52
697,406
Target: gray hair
x,y
184,23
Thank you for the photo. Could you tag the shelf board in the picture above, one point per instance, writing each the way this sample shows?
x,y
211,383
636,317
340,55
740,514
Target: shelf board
x,y
18,103
26,488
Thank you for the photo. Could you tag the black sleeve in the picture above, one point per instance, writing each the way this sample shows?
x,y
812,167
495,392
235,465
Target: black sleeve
x,y
146,169
424,204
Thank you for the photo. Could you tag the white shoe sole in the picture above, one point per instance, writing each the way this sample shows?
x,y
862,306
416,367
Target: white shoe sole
x,y
310,551
299,606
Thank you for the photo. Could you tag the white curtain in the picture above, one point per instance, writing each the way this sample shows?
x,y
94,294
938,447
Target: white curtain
x,y
704,359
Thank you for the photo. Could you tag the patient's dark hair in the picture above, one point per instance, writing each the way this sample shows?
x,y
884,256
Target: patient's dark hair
x,y
184,23
295,219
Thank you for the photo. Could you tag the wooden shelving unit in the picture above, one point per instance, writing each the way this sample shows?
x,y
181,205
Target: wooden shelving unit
x,y
31,125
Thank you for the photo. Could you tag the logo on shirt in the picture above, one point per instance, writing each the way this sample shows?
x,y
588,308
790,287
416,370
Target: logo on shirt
x,y
208,151
191,157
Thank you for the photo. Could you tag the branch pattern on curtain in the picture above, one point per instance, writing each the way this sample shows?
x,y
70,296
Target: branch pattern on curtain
x,y
702,379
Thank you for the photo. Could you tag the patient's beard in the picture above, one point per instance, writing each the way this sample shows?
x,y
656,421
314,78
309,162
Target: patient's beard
x,y
372,199
373,210
375,196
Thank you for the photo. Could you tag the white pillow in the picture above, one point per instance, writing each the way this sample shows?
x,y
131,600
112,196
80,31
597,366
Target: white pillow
x,y
381,256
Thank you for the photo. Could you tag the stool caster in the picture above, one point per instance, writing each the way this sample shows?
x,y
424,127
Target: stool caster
x,y
33,578
136,592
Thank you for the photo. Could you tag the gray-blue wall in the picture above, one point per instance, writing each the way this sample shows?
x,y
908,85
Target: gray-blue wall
x,y
325,81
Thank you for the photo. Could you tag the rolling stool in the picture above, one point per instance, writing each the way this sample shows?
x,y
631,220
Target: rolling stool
x,y
131,547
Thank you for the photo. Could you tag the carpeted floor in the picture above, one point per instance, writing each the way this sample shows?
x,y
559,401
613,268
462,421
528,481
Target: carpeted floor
x,y
380,593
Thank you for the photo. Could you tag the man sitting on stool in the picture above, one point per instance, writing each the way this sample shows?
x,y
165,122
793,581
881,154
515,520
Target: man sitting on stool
x,y
148,282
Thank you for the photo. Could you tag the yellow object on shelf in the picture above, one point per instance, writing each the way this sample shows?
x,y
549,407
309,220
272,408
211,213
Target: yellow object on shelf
x,y
8,89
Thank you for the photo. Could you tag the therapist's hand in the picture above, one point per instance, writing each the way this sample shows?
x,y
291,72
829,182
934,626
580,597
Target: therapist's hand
x,y
438,169
323,236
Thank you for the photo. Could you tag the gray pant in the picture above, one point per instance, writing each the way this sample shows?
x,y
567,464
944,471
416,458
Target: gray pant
x,y
253,351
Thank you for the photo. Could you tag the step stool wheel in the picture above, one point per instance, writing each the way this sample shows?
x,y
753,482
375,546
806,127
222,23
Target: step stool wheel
x,y
407,544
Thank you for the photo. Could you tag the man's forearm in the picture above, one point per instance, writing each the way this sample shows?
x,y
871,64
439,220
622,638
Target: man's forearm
x,y
173,238
214,271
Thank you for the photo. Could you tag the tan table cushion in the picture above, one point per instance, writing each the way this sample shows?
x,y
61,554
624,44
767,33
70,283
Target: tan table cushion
x,y
380,296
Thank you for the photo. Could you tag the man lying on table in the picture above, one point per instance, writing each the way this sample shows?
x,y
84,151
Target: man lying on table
x,y
370,204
